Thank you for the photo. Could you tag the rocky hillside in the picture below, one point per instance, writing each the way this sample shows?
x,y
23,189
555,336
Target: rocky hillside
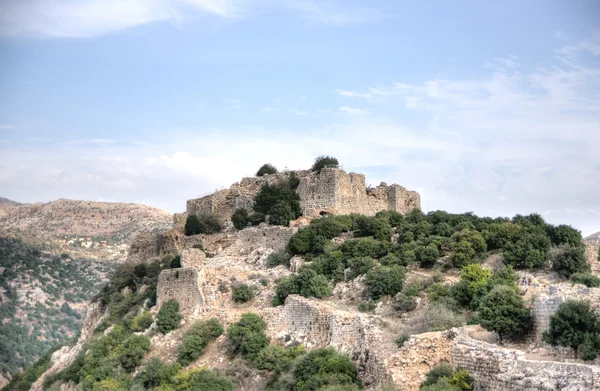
x,y
110,221
595,236
43,299
6,205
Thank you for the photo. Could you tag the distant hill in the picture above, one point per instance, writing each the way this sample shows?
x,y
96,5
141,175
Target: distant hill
x,y
595,236
114,221
6,205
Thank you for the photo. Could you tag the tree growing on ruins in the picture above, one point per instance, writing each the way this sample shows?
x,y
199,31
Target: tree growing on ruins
x,y
503,311
192,225
279,201
575,325
242,293
168,317
200,334
266,169
240,218
324,161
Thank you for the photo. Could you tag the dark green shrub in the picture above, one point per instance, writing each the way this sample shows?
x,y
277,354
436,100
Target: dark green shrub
x,y
428,256
307,283
367,306
155,373
200,334
402,338
385,280
378,228
443,370
281,214
199,246
324,162
320,368
275,199
134,349
176,262
301,241
473,278
168,317
242,293
247,337
404,303
209,224
503,311
203,224
266,169
205,380
529,251
240,218
568,260
364,247
564,234
467,244
587,279
445,378
276,358
572,324
142,321
192,225
278,258
359,266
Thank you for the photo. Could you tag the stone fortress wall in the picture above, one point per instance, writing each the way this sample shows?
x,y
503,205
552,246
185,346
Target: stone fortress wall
x,y
592,247
547,303
330,191
182,285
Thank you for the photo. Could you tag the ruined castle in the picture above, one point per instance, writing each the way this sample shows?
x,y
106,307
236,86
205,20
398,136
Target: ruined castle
x,y
330,191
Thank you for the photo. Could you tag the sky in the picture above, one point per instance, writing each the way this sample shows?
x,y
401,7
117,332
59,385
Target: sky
x,y
490,107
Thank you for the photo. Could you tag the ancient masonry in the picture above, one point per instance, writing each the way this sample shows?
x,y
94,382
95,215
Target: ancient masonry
x,y
196,284
592,249
330,191
546,304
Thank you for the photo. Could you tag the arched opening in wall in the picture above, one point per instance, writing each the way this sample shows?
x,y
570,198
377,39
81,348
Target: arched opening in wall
x,y
324,213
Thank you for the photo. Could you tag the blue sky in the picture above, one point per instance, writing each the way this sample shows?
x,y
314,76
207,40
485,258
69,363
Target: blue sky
x,y
492,107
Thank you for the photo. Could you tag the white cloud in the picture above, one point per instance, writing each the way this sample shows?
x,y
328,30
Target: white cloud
x,y
267,109
299,112
91,18
350,110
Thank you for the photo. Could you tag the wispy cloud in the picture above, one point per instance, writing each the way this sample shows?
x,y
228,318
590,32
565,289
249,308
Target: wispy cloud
x,y
91,18
350,110
6,127
299,112
267,109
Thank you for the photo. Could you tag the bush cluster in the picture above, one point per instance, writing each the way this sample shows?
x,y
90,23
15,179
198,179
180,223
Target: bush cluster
x,y
247,336
575,325
445,378
242,293
278,203
203,224
266,169
199,335
324,161
168,317
306,282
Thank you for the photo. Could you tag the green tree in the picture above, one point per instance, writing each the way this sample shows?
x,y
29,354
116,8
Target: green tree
x,y
156,373
323,162
572,324
529,251
385,280
209,224
240,218
503,311
281,214
142,321
242,293
247,336
266,169
587,279
192,225
134,349
473,278
200,334
569,260
564,234
168,317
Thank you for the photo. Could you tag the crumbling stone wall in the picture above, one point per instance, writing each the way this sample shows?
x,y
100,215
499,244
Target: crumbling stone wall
x,y
319,325
181,285
592,246
495,368
331,191
547,303
146,246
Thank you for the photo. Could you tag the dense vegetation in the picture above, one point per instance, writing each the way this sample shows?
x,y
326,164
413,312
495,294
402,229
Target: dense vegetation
x,y
324,162
199,335
445,378
434,240
266,169
48,314
203,224
575,325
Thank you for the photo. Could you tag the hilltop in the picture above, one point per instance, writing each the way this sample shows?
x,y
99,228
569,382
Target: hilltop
x,y
308,280
114,221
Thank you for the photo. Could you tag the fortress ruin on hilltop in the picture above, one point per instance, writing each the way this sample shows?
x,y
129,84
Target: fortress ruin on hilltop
x,y
331,191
